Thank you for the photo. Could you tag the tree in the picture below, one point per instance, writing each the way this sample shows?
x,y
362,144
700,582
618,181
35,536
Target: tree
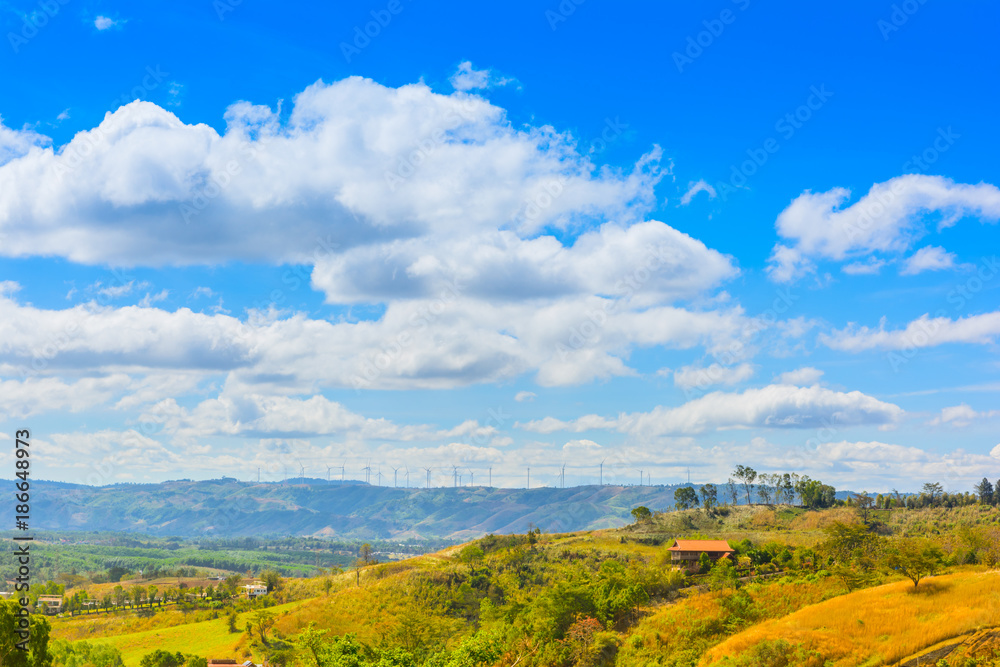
x,y
641,514
764,489
231,621
864,503
271,579
685,498
709,496
933,489
161,658
260,622
151,592
137,593
723,576
814,494
120,596
914,559
732,492
704,562
746,475
365,553
230,584
985,491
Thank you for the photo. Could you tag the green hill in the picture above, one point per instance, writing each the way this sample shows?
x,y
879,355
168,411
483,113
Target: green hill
x,y
231,508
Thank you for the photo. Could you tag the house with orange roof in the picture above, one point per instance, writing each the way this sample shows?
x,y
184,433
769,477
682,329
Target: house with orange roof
x,y
685,553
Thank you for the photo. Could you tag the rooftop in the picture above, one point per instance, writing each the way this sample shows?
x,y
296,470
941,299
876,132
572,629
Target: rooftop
x,y
700,545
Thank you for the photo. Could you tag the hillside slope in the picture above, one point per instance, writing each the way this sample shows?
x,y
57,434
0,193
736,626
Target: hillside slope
x,y
875,626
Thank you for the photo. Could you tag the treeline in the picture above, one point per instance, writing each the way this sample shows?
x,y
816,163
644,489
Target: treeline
x,y
766,488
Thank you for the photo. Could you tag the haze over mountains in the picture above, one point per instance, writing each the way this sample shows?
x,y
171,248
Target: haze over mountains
x,y
320,508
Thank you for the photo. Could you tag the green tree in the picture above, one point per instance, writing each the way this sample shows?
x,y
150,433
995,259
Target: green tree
x,y
915,559
616,593
260,622
685,498
985,491
641,514
161,658
85,654
933,490
723,576
271,579
231,584
814,494
704,562
746,476
472,553
231,621
137,593
709,496
864,503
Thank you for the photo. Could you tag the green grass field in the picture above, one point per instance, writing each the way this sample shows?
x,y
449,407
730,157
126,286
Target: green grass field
x,y
208,638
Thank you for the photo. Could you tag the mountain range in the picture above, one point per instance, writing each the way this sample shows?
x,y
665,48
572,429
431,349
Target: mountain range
x,y
319,508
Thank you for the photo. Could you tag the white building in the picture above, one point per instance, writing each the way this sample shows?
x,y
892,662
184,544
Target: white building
x,y
255,590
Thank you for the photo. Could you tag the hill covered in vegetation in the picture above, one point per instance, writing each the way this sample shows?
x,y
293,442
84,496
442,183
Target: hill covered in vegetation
x,y
840,586
313,507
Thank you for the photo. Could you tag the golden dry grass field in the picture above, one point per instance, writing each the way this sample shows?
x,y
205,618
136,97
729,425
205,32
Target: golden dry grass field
x,y
879,626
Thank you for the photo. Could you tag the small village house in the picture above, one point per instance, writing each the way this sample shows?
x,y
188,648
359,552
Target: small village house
x,y
53,604
685,553
255,590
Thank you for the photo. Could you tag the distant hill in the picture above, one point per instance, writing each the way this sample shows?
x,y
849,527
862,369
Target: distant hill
x,y
320,508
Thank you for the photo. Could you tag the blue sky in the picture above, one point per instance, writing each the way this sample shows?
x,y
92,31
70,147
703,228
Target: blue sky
x,y
246,235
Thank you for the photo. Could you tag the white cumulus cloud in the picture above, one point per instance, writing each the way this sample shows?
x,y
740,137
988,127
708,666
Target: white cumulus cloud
x,y
888,219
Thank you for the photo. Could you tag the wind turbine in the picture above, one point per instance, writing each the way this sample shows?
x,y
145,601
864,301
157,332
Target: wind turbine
x,y
472,477
406,469
454,475
640,477
602,472
380,475
562,476
342,465
367,470
529,478
328,469
394,485
428,484
491,477
302,471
